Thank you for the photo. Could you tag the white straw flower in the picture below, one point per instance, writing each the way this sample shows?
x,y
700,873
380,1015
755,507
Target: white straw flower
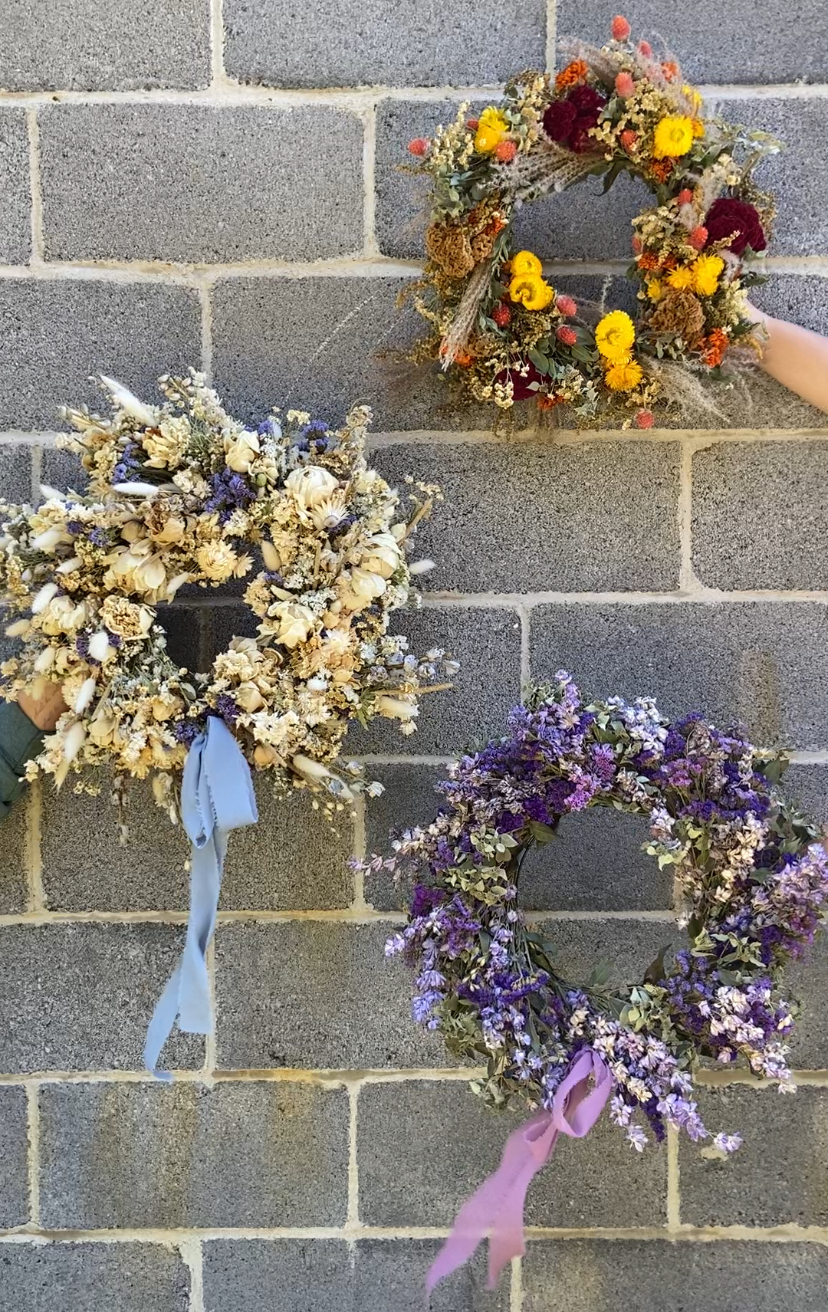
x,y
310,485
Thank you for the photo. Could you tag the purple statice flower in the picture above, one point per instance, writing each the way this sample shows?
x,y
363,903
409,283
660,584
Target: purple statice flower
x,y
74,526
127,464
228,709
229,491
82,645
186,731
99,536
115,639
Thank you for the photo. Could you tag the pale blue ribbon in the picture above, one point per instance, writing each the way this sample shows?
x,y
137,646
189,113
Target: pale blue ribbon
x,y
216,796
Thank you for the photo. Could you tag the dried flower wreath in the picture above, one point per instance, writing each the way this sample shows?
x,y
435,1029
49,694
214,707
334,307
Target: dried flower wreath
x,y
753,878
502,329
179,494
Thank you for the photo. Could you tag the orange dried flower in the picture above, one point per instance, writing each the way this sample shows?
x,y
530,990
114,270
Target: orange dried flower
x,y
505,151
684,197
628,139
644,419
549,402
715,345
463,359
649,261
661,169
698,238
571,76
419,146
670,69
645,49
473,123
620,28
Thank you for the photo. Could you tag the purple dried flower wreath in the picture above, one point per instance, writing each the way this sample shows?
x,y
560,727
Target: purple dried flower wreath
x,y
753,880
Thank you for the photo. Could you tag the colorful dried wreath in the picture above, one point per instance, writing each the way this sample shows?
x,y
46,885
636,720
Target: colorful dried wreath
x,y
752,880
501,328
181,494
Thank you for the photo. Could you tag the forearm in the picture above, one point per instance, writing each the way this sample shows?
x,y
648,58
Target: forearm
x,y
795,357
22,725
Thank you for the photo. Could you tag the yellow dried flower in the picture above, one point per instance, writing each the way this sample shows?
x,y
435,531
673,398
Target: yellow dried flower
x,y
526,262
707,270
673,137
615,335
682,279
624,375
531,291
655,289
491,129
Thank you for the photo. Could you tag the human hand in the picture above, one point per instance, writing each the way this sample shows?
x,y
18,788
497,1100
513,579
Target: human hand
x,y
45,711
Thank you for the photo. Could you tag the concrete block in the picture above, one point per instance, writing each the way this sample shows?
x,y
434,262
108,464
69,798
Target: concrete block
x,y
14,1169
16,473
599,516
56,334
741,490
148,1155
15,225
78,1277
79,996
315,994
197,183
391,1273
425,1146
807,786
763,663
603,1275
487,645
14,859
87,46
715,44
62,470
807,982
353,44
801,191
409,799
777,1177
801,299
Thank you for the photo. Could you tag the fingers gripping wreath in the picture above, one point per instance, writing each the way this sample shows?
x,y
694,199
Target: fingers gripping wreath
x,y
182,493
500,327
753,881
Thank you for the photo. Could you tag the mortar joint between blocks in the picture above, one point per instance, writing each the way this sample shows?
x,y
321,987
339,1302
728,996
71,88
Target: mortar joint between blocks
x,y
33,1151
192,1255
353,1157
36,195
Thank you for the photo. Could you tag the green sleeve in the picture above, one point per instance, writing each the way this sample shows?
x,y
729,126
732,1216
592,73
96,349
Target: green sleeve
x,y
20,740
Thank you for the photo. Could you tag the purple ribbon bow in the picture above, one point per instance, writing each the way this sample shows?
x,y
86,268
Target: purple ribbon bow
x,y
496,1208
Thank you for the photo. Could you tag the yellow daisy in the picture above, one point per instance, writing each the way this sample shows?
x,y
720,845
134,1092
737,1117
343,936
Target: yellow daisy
x,y
624,375
615,335
707,270
655,289
673,137
681,279
491,129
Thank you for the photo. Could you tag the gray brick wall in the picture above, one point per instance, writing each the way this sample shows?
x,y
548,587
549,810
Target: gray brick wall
x,y
214,182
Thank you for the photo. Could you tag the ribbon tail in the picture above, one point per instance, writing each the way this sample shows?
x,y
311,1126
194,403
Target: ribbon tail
x,y
160,1027
497,1206
194,1001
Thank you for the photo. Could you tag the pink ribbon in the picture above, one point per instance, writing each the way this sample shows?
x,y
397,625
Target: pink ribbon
x,y
496,1208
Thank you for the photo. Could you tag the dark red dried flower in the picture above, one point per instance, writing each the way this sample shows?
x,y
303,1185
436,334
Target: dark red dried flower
x,y
580,141
586,99
737,219
558,119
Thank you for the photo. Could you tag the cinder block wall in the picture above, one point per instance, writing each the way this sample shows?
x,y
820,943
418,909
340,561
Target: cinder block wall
x,y
214,184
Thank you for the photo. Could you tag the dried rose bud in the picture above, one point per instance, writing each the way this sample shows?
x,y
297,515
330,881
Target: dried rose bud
x,y
566,335
698,238
620,28
505,151
644,419
566,306
624,85
419,146
502,315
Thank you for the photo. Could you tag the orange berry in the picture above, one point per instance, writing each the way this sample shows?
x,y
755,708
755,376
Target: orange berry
x,y
644,419
502,315
419,146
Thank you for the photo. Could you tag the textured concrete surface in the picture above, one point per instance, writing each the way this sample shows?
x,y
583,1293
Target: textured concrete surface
x,y
314,994
56,334
759,519
14,861
425,1146
14,1170
605,1275
763,663
200,184
351,44
148,1155
79,997
790,1130
577,518
86,45
15,227
716,43
86,1277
